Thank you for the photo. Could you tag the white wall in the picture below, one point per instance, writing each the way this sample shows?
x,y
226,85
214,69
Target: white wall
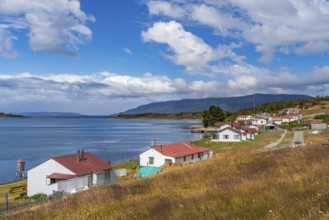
x,y
37,177
230,136
99,179
159,159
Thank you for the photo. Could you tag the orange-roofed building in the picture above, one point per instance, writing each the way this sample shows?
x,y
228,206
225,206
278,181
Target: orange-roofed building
x,y
69,174
159,155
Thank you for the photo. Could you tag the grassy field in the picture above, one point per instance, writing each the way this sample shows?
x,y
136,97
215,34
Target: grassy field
x,y
247,184
6,187
322,107
130,166
261,140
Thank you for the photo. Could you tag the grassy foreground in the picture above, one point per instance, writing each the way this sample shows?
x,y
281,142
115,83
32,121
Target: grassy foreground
x,y
11,196
247,184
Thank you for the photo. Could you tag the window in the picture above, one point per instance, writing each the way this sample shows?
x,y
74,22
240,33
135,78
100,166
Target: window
x,y
225,136
151,160
184,158
52,181
107,174
192,156
169,161
236,137
199,155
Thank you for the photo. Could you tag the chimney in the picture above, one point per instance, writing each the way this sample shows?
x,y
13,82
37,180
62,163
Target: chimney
x,y
82,155
153,143
78,155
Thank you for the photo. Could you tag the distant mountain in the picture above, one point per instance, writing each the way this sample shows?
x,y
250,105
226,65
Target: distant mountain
x,y
51,114
230,104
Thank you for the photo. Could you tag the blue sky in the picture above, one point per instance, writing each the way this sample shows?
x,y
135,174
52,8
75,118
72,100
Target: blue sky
x,y
103,57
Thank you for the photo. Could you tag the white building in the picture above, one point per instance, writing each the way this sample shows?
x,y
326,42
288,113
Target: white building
x,y
259,121
181,153
69,174
282,119
318,125
234,132
291,111
244,117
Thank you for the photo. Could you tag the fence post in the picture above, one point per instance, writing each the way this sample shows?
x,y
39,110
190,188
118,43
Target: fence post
x,y
6,200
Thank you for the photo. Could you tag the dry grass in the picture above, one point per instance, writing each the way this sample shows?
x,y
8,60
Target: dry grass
x,y
322,107
247,184
6,187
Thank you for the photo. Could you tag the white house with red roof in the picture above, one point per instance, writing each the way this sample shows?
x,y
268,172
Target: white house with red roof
x,y
244,117
181,153
234,132
69,174
282,119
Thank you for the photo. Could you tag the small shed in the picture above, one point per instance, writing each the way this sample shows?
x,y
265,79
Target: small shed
x,y
269,127
121,172
318,125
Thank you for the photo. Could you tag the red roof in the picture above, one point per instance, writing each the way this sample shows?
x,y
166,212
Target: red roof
x,y
232,124
89,164
318,122
61,176
180,150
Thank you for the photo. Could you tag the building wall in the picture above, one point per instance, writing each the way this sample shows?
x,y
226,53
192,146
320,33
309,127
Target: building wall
x,y
37,181
99,179
205,155
73,185
159,159
230,135
319,126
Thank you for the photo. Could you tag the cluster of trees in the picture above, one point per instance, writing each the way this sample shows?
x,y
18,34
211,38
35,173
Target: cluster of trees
x,y
324,118
212,115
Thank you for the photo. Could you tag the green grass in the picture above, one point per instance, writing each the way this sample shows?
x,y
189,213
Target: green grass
x,y
261,140
131,167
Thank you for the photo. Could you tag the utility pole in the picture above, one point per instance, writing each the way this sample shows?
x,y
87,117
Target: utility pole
x,y
255,104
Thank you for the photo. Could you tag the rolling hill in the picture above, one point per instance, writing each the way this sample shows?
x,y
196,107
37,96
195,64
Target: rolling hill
x,y
230,104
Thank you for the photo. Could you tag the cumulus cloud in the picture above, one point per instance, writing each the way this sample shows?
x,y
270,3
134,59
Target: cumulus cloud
x,y
105,92
186,48
56,26
272,26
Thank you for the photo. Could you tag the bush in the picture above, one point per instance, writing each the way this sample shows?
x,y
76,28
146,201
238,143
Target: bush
x,y
38,196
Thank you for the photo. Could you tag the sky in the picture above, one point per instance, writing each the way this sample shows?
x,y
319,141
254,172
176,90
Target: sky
x,y
101,57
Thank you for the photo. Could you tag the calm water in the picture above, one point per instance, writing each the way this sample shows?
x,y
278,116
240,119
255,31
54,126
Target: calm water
x,y
37,139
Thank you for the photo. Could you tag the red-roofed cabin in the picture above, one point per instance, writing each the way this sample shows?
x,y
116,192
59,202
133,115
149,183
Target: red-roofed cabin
x,y
69,174
181,153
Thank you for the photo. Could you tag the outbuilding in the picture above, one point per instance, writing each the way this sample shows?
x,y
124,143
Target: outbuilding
x,y
318,125
159,155
69,174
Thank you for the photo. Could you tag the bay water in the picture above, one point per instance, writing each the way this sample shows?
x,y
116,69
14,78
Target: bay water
x,y
38,139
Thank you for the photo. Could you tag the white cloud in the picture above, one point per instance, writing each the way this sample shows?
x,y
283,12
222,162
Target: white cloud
x,y
127,51
56,26
165,8
105,92
6,44
272,26
186,48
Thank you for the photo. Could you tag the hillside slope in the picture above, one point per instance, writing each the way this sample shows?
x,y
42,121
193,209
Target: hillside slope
x,y
230,104
248,184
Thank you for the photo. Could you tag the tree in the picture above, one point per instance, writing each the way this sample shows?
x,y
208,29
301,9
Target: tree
x,y
213,115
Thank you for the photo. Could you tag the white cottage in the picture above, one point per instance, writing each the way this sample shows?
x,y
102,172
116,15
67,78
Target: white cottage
x,y
181,153
229,134
69,174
